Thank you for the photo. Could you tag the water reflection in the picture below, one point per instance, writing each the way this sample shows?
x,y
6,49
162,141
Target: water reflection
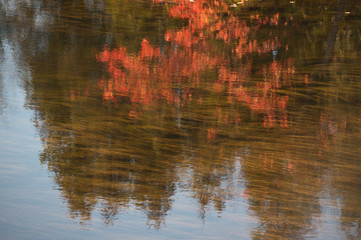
x,y
139,102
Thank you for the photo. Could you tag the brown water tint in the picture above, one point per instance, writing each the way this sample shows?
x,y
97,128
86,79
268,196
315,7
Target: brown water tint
x,y
180,119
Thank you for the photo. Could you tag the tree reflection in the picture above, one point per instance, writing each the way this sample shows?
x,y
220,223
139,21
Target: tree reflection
x,y
217,100
276,188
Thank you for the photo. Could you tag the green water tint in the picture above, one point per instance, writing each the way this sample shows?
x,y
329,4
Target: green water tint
x,y
243,120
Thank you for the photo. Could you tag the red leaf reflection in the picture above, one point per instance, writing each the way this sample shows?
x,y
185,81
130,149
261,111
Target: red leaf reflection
x,y
152,75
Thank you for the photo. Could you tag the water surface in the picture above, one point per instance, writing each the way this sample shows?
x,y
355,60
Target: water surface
x,y
180,119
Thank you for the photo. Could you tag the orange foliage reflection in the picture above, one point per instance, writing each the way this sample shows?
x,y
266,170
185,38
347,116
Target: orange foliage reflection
x,y
149,76
174,73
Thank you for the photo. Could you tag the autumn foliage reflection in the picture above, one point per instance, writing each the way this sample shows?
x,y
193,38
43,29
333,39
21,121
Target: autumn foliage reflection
x,y
175,72
186,112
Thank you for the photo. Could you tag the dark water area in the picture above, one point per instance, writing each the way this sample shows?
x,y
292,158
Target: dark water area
x,y
183,119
